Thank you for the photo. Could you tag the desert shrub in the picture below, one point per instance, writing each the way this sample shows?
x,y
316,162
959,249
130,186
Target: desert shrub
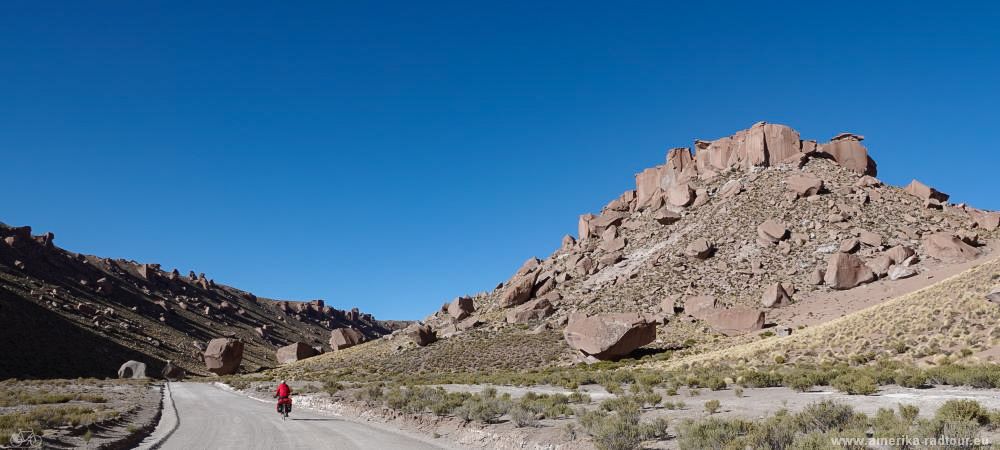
x,y
963,410
738,392
824,416
715,383
522,416
712,406
620,428
759,379
579,397
482,409
855,384
911,378
909,413
776,433
712,433
332,387
369,393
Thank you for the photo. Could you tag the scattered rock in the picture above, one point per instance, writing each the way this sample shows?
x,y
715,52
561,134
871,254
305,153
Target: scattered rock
x,y
519,290
899,272
924,192
537,309
772,231
804,185
422,335
699,249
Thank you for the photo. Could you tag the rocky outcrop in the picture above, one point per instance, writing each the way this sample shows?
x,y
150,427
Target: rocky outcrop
x,y
925,193
845,271
846,150
295,351
948,247
342,338
132,369
518,290
609,336
223,356
735,320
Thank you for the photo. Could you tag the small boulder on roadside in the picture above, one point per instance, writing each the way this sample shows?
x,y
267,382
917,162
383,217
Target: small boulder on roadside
x,y
173,372
132,370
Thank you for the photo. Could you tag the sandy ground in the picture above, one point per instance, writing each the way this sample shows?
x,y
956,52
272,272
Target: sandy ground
x,y
210,417
830,305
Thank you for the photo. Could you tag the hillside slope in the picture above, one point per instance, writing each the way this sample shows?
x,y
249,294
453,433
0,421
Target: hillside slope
x,y
64,314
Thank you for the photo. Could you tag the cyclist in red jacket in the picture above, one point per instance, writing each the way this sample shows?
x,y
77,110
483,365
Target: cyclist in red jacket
x,y
282,394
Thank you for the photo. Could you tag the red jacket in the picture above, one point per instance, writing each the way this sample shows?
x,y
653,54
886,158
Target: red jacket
x,y
284,390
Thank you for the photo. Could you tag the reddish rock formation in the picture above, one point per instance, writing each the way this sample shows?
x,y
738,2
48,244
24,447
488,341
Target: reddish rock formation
x,y
845,271
537,309
947,247
461,308
294,352
342,338
223,356
846,150
519,290
422,335
774,296
804,185
609,336
924,192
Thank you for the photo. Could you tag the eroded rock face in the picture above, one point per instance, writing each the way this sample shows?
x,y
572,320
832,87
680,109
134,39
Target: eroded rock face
x,y
296,351
223,356
461,307
846,150
609,336
736,319
845,271
948,247
342,338
132,369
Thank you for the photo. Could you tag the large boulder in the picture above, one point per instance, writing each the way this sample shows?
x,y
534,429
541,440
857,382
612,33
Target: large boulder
x,y
461,307
609,336
845,271
988,221
342,338
132,369
223,356
537,309
519,290
173,372
422,335
294,352
948,247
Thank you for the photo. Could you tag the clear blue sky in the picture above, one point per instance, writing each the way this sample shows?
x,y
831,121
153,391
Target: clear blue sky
x,y
395,155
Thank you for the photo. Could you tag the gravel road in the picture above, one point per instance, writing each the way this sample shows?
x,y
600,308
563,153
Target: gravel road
x,y
214,418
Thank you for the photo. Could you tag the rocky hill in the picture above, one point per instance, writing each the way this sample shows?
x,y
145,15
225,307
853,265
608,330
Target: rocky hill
x,y
65,314
712,246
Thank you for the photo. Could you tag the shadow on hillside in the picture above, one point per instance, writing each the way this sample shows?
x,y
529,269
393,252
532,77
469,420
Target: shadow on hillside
x,y
38,343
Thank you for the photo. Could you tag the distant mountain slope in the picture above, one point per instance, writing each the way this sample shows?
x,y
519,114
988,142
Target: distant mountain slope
x,y
64,314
